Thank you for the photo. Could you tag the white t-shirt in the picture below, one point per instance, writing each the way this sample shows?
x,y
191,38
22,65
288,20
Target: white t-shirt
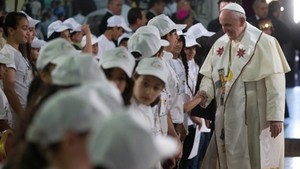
x,y
145,116
175,102
104,44
23,69
5,113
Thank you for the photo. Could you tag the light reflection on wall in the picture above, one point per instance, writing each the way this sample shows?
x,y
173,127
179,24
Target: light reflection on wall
x,y
296,11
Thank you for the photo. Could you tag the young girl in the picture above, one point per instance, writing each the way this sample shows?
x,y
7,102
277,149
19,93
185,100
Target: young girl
x,y
118,65
150,79
58,29
94,43
191,99
35,49
19,74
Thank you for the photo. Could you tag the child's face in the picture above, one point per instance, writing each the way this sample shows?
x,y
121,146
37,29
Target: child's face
x,y
147,88
32,34
172,38
118,76
34,53
178,47
95,49
21,33
190,52
77,37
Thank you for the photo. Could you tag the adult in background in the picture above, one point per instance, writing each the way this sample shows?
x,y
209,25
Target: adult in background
x,y
245,71
155,8
114,7
136,18
214,25
260,8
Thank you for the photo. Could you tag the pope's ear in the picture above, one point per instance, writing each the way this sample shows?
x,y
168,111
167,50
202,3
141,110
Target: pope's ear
x,y
242,21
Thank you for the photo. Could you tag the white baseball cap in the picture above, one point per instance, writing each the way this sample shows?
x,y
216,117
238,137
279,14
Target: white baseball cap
x,y
37,43
123,36
73,24
199,30
56,26
234,7
118,57
118,21
71,110
75,70
190,41
6,58
146,41
32,22
52,51
120,142
165,24
94,40
153,66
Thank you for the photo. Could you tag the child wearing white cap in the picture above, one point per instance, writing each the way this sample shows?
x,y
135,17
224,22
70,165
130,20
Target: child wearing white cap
x,y
52,53
35,49
187,66
57,136
58,29
146,42
172,103
19,74
123,40
77,32
116,26
94,43
118,65
150,79
32,23
5,112
127,145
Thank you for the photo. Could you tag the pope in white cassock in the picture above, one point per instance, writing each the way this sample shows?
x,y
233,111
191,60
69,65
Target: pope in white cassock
x,y
245,72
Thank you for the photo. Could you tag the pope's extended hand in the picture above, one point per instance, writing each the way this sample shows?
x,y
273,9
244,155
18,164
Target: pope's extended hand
x,y
275,128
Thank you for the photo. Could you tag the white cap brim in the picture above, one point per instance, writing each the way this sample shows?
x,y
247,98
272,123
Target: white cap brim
x,y
164,42
33,22
166,146
126,28
60,29
153,73
191,44
37,43
179,27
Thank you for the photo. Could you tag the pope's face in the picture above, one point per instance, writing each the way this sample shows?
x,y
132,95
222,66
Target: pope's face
x,y
232,24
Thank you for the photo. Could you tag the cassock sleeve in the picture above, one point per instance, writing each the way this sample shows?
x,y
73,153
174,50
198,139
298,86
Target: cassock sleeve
x,y
275,86
207,84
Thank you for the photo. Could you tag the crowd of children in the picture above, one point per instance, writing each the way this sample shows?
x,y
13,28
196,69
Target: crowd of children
x,y
120,100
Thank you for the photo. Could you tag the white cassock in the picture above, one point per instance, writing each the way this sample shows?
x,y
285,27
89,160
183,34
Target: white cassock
x,y
247,78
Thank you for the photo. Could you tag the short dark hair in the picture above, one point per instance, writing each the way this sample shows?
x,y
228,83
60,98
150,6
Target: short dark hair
x,y
134,14
273,6
240,2
152,2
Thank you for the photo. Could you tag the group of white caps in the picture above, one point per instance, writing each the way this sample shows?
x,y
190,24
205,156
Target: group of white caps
x,y
96,105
